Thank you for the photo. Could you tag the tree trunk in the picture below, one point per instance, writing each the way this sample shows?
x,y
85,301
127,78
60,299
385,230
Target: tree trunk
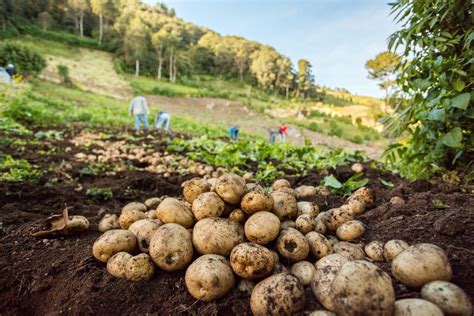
x,y
137,68
171,64
160,63
287,91
4,23
81,24
175,69
101,28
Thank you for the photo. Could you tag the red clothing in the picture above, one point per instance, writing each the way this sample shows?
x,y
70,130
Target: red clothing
x,y
283,129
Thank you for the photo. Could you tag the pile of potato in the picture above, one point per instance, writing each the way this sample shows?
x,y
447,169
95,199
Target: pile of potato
x,y
272,244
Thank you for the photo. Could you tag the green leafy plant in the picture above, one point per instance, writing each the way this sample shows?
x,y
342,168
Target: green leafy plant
x,y
439,204
99,194
17,170
346,188
27,60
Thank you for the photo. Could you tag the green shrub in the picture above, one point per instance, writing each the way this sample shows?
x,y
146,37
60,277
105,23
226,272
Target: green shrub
x,y
28,61
358,139
63,72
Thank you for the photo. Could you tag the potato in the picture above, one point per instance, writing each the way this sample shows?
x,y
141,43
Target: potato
x,y
374,250
369,292
320,226
284,205
322,190
209,277
449,297
116,264
262,227
134,206
129,217
231,188
357,167
420,264
216,235
212,184
108,222
307,208
289,191
336,217
280,183
113,241
319,244
247,176
350,230
326,270
139,268
279,294
207,204
366,194
392,248
255,201
304,271
356,205
151,214
173,211
171,248
305,223
416,307
246,286
350,251
193,188
288,224
237,215
152,203
332,240
143,230
321,313
251,261
305,191
292,245
396,200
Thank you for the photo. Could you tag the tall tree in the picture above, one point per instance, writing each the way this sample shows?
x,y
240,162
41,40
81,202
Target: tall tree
x,y
285,76
305,77
264,66
99,7
383,68
79,8
45,20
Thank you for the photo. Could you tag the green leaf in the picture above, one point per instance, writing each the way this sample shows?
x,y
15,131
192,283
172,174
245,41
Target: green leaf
x,y
437,115
439,204
331,181
461,101
453,138
387,183
459,85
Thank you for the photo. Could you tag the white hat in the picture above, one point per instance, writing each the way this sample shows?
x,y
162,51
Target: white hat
x,y
10,66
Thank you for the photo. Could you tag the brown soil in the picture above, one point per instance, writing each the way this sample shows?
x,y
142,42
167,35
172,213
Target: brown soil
x,y
57,276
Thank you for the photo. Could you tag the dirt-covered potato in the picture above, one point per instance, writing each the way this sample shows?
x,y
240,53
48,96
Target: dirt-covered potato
x,y
209,277
280,183
231,188
396,200
326,270
392,248
193,188
208,204
374,250
416,307
256,201
350,251
292,245
237,215
251,261
247,176
116,264
350,230
305,223
151,214
143,230
304,271
279,294
321,313
357,167
139,268
134,206
318,244
289,191
152,203
305,191
108,222
129,217
323,191
173,211
332,240
113,241
420,264
449,297
284,205
320,226
171,248
366,194
356,205
212,184
246,286
307,208
369,292
262,227
288,224
336,217
216,235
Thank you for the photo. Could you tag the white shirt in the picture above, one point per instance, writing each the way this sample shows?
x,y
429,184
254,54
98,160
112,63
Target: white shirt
x,y
138,106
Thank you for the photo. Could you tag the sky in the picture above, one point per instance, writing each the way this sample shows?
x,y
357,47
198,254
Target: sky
x,y
336,36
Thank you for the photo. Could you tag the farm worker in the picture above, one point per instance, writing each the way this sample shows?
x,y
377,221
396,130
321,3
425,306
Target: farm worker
x,y
234,133
162,120
139,108
4,76
11,70
273,133
282,132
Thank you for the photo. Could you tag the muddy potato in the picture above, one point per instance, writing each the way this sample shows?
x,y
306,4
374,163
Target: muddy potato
x,y
356,205
396,200
212,184
289,191
307,208
139,268
151,214
350,230
318,244
216,235
173,211
288,224
420,264
284,205
134,206
108,222
392,248
332,240
171,248
366,194
357,167
152,203
143,230
374,250
113,241
129,217
305,223
323,191
251,261
449,297
280,183
256,201
304,271
237,215
350,251
321,313
292,245
193,188
209,277
247,176
320,226
279,294
336,217
352,298
305,191
262,227
246,286
416,307
231,188
116,264
207,204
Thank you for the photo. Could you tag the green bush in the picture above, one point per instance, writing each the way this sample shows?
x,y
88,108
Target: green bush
x,y
63,72
28,61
